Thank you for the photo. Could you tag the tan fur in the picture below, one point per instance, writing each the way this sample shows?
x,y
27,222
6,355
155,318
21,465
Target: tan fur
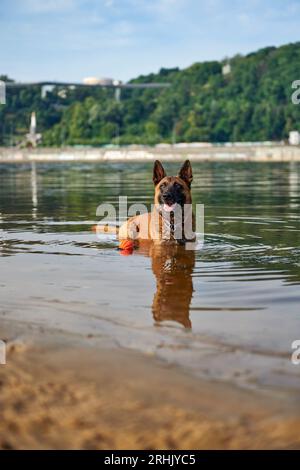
x,y
149,226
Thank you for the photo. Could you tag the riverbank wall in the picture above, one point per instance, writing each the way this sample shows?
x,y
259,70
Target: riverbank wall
x,y
221,153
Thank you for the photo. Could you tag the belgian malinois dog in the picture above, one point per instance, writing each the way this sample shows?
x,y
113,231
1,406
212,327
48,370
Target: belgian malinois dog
x,y
171,219
165,225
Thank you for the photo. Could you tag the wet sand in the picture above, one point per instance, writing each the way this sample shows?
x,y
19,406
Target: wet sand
x,y
57,393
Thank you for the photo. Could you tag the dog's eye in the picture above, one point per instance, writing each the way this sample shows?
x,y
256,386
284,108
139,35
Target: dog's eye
x,y
163,186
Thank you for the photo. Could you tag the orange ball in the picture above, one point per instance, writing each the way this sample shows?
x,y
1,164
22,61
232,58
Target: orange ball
x,y
126,245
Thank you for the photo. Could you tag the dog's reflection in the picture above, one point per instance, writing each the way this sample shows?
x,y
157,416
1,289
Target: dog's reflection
x,y
172,266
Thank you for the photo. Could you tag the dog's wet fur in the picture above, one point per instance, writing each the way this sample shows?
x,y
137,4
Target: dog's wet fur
x,y
171,192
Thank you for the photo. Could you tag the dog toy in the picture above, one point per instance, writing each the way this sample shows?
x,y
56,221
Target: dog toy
x,y
126,247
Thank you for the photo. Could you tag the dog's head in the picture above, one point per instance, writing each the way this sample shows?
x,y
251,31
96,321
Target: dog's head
x,y
171,191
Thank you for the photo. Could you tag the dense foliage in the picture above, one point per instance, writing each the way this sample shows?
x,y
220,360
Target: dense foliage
x,y
251,103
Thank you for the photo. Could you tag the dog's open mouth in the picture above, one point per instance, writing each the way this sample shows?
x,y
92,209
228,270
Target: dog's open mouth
x,y
169,207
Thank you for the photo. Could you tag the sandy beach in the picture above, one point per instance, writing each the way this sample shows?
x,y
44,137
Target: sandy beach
x,y
56,392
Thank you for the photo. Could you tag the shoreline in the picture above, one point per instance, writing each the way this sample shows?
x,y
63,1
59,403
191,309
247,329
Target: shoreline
x,y
211,153
56,393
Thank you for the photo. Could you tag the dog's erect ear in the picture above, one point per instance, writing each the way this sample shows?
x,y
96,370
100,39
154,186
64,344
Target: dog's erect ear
x,y
158,172
186,173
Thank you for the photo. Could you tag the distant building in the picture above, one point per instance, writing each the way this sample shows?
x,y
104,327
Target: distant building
x,y
62,93
98,81
91,81
45,89
226,69
294,138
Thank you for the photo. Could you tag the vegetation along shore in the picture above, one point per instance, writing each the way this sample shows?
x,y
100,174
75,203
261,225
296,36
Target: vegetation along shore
x,y
242,98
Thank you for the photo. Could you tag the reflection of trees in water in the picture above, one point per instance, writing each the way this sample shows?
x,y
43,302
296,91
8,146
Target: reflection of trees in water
x,y
7,247
285,263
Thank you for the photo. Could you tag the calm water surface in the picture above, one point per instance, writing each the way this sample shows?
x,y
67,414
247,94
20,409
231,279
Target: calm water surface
x,y
229,311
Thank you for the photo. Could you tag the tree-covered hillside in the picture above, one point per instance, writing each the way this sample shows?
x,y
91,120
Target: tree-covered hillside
x,y
251,103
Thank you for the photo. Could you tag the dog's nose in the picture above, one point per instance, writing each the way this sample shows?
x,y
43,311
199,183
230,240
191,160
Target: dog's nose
x,y
168,198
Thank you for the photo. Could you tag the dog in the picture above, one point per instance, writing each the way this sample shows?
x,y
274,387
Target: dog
x,y
171,220
168,227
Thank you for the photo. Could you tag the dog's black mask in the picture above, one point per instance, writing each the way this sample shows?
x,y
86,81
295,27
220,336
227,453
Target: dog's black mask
x,y
171,192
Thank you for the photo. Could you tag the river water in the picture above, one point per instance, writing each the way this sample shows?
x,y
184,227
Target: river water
x,y
229,311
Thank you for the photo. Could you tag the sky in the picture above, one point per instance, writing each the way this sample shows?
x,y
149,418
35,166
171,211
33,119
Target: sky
x,y
73,39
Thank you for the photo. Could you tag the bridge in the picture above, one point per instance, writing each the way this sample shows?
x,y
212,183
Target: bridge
x,y
114,84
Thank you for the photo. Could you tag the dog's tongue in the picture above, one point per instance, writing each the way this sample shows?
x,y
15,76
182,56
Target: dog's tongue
x,y
168,208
